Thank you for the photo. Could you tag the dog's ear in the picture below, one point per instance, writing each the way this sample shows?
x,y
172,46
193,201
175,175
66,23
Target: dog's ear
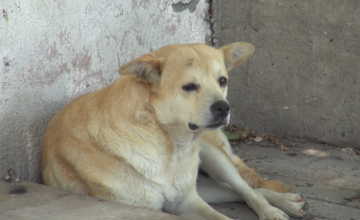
x,y
236,53
147,67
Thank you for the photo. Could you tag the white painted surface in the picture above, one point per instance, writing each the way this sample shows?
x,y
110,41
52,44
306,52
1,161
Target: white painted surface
x,y
54,51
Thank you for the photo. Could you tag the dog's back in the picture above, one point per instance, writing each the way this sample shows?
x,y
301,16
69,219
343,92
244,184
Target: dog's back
x,y
103,140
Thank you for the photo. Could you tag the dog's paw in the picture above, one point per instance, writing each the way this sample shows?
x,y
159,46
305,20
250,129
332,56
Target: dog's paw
x,y
293,204
272,213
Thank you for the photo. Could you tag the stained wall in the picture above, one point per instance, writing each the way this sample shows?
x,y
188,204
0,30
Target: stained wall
x,y
55,51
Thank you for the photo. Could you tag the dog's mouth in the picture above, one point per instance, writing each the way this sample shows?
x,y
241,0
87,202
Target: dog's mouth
x,y
193,127
217,125
214,125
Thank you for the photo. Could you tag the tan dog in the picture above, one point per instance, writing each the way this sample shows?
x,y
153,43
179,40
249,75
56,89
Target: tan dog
x,y
140,140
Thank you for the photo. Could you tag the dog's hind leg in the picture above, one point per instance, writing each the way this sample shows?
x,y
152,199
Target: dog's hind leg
x,y
213,191
292,204
192,206
219,140
214,147
254,180
219,166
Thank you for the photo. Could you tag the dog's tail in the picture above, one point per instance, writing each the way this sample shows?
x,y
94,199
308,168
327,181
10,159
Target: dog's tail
x,y
255,181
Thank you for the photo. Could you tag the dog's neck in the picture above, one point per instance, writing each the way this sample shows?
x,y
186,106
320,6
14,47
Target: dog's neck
x,y
183,138
180,135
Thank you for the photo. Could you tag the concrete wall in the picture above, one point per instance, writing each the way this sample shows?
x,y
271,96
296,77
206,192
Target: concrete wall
x,y
303,80
54,51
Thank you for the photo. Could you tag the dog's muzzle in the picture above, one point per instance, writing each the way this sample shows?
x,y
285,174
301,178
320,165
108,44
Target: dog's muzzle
x,y
220,111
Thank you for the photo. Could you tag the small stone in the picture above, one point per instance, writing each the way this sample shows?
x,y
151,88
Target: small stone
x,y
258,139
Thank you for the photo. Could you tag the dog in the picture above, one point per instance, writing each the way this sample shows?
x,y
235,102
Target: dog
x,y
140,140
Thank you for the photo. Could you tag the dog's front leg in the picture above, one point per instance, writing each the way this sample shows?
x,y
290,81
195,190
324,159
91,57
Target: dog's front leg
x,y
192,206
220,167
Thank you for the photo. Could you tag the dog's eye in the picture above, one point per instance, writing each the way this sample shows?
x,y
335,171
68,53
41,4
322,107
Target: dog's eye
x,y
222,81
190,87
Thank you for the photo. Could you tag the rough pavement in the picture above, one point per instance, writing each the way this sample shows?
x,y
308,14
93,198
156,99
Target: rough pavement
x,y
329,177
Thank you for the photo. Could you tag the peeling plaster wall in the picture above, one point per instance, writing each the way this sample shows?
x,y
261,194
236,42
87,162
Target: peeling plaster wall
x,y
55,51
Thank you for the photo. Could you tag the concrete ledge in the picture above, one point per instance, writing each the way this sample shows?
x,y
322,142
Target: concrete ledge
x,y
27,200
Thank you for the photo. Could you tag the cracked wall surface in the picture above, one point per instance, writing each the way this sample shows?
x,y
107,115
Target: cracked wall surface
x,y
55,51
303,81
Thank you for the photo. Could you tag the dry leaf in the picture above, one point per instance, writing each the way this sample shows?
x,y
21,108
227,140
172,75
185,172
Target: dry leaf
x,y
243,134
263,135
266,138
231,136
234,135
282,147
231,128
277,143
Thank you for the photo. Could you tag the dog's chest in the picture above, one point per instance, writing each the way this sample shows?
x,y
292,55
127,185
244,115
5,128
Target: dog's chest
x,y
180,174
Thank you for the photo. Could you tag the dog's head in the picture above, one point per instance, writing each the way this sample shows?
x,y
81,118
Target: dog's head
x,y
189,83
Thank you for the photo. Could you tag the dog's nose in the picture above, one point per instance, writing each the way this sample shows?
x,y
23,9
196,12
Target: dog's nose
x,y
220,108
